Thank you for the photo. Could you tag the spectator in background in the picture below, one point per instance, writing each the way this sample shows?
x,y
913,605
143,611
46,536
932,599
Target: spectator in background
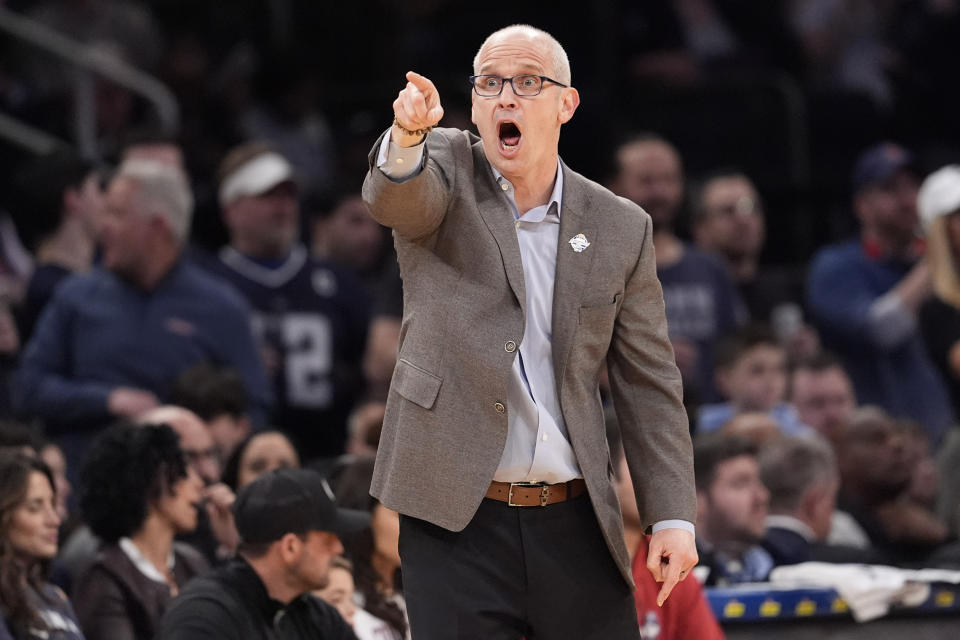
x,y
340,589
374,552
802,478
310,317
288,526
30,607
938,204
864,294
137,493
752,374
700,297
686,615
349,237
732,508
340,593
215,534
261,453
217,396
59,207
194,436
875,474
111,342
822,394
729,221
22,438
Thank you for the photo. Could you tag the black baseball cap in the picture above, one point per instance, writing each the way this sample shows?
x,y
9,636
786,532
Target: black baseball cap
x,y
879,163
291,501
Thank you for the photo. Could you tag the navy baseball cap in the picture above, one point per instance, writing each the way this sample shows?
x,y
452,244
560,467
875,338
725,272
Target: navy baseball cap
x,y
291,501
879,163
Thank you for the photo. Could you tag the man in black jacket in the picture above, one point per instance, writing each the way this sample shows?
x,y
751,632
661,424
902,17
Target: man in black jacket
x,y
288,523
801,475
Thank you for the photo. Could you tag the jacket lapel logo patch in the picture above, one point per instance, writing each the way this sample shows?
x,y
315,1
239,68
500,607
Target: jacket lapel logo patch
x,y
579,242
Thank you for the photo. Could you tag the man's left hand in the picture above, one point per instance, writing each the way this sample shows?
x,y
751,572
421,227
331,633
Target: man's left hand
x,y
673,554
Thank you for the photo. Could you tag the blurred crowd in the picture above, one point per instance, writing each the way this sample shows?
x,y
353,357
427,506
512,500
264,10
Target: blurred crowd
x,y
184,312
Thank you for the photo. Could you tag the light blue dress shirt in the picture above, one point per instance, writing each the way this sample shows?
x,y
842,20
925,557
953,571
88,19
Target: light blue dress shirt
x,y
538,446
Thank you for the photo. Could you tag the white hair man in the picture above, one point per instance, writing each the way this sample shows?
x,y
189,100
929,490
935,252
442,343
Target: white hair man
x,y
111,342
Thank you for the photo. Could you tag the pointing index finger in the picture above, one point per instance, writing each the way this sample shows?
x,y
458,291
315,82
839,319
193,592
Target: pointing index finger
x,y
422,83
665,590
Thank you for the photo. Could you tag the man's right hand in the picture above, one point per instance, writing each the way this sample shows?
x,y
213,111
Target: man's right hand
x,y
417,107
125,402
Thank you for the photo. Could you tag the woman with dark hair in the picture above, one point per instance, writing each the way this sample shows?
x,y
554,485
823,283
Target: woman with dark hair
x,y
261,452
136,494
30,608
374,551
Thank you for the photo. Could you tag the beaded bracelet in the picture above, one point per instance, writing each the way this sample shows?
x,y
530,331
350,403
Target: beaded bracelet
x,y
415,132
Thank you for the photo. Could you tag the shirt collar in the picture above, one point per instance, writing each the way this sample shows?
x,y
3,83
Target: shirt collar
x,y
143,565
556,197
792,524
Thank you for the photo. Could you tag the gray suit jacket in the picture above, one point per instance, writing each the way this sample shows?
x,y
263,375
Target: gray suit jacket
x,y
463,300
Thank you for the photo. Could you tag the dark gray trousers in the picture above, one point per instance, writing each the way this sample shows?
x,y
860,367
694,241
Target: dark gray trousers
x,y
539,573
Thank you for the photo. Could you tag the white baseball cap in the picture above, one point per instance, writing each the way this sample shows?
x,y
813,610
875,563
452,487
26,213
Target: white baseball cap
x,y
939,194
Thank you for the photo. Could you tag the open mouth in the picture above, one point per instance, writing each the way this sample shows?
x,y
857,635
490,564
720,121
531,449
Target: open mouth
x,y
509,134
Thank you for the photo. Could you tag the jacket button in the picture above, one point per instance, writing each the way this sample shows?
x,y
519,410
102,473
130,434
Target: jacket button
x,y
510,346
499,407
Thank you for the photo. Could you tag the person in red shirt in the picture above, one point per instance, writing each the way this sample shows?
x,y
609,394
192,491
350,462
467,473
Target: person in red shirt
x,y
686,614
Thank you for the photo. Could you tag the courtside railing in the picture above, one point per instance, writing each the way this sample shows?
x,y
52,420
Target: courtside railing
x,y
88,62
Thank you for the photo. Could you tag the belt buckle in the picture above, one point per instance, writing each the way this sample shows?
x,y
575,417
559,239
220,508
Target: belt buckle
x,y
544,493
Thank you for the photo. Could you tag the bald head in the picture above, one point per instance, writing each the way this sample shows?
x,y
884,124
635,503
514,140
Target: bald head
x,y
561,64
196,440
872,455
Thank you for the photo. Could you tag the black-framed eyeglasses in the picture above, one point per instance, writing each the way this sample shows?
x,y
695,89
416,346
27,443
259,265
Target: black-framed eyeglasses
x,y
488,86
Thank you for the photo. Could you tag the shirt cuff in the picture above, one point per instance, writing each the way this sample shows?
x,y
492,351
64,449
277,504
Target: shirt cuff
x,y
399,163
674,524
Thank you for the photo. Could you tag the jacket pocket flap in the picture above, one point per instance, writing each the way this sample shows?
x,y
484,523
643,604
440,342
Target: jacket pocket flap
x,y
602,313
415,384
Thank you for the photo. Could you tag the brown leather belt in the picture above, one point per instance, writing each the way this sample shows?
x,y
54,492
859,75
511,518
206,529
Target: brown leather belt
x,y
523,494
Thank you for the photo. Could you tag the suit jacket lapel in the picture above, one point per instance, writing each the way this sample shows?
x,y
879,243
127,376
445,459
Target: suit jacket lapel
x,y
573,269
495,212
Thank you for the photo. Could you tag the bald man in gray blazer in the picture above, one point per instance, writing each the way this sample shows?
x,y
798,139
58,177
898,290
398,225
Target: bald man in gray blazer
x,y
521,279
